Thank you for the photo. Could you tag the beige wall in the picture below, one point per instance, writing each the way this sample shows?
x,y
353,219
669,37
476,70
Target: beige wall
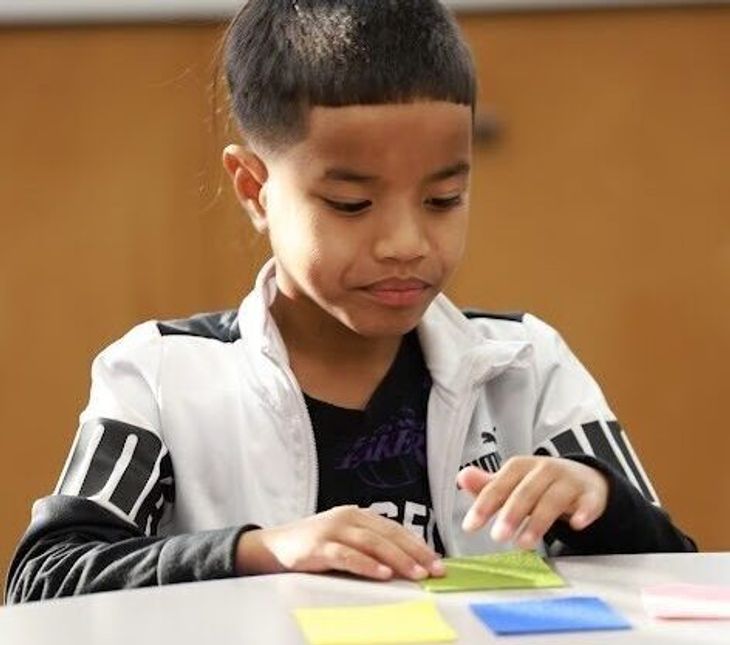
x,y
603,208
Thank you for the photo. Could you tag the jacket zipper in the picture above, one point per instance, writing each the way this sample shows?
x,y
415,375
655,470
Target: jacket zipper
x,y
305,423
455,448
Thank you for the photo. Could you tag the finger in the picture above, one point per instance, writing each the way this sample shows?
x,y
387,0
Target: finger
x,y
588,508
495,493
341,557
523,499
384,551
415,548
473,479
559,497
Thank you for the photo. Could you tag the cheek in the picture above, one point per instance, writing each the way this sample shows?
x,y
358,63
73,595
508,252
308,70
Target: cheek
x,y
450,239
333,253
290,226
294,243
312,250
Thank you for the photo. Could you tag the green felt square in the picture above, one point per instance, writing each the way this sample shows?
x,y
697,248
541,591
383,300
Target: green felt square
x,y
510,570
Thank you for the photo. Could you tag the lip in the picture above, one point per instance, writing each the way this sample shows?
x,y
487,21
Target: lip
x,y
399,292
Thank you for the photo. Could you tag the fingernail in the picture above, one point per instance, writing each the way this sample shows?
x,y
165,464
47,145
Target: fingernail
x,y
500,530
470,521
438,568
418,572
383,572
580,520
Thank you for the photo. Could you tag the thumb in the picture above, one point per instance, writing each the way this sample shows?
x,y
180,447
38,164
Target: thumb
x,y
473,479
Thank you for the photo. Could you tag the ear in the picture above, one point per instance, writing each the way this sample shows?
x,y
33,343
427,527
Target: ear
x,y
248,175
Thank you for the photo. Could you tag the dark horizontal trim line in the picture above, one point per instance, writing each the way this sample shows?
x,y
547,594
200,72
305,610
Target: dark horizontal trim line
x,y
219,325
514,316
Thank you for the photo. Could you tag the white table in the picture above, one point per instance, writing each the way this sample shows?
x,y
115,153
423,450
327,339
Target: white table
x,y
257,610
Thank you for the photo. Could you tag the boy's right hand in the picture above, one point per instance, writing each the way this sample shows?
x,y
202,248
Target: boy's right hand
x,y
345,538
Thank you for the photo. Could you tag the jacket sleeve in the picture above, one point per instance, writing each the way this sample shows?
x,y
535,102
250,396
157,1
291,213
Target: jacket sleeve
x,y
630,523
573,421
75,546
99,530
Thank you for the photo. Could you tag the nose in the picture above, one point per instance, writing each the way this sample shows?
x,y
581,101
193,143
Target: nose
x,y
402,236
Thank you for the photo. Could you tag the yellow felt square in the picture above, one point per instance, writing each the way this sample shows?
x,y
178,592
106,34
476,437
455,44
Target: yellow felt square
x,y
405,622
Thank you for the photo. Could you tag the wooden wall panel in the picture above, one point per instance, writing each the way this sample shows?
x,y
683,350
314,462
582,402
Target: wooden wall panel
x,y
108,181
606,210
603,208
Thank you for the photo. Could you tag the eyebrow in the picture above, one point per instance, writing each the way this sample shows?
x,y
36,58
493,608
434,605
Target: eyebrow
x,y
345,174
459,168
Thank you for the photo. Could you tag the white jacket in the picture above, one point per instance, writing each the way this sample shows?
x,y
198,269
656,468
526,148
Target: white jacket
x,y
226,412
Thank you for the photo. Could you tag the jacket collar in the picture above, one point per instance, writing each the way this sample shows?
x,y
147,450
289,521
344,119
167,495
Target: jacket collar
x,y
256,323
457,353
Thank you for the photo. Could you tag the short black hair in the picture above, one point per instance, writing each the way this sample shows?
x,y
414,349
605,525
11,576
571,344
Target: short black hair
x,y
283,57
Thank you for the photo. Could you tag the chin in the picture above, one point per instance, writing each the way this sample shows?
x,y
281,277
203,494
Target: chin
x,y
386,325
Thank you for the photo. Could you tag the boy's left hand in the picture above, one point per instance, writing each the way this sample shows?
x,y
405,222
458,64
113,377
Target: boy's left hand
x,y
539,489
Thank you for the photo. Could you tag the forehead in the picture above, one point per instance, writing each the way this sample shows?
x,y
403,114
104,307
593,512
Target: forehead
x,y
387,140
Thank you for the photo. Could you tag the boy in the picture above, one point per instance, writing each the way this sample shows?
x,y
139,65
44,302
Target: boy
x,y
328,422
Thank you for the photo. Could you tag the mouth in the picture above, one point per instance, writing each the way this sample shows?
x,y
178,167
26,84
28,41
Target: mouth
x,y
399,292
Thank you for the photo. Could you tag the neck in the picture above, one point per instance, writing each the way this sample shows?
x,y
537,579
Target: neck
x,y
330,361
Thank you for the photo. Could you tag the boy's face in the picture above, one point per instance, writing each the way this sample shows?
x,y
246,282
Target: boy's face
x,y
367,216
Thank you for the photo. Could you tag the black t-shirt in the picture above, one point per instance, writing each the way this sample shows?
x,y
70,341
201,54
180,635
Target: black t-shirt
x,y
376,458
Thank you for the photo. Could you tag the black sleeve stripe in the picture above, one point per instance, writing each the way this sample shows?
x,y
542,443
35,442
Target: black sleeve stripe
x,y
148,516
117,469
146,454
622,441
105,457
599,444
85,444
609,444
599,440
567,443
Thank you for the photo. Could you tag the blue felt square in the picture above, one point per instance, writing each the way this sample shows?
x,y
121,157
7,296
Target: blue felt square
x,y
570,614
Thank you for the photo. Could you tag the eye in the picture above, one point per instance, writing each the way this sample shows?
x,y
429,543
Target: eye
x,y
348,207
445,203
